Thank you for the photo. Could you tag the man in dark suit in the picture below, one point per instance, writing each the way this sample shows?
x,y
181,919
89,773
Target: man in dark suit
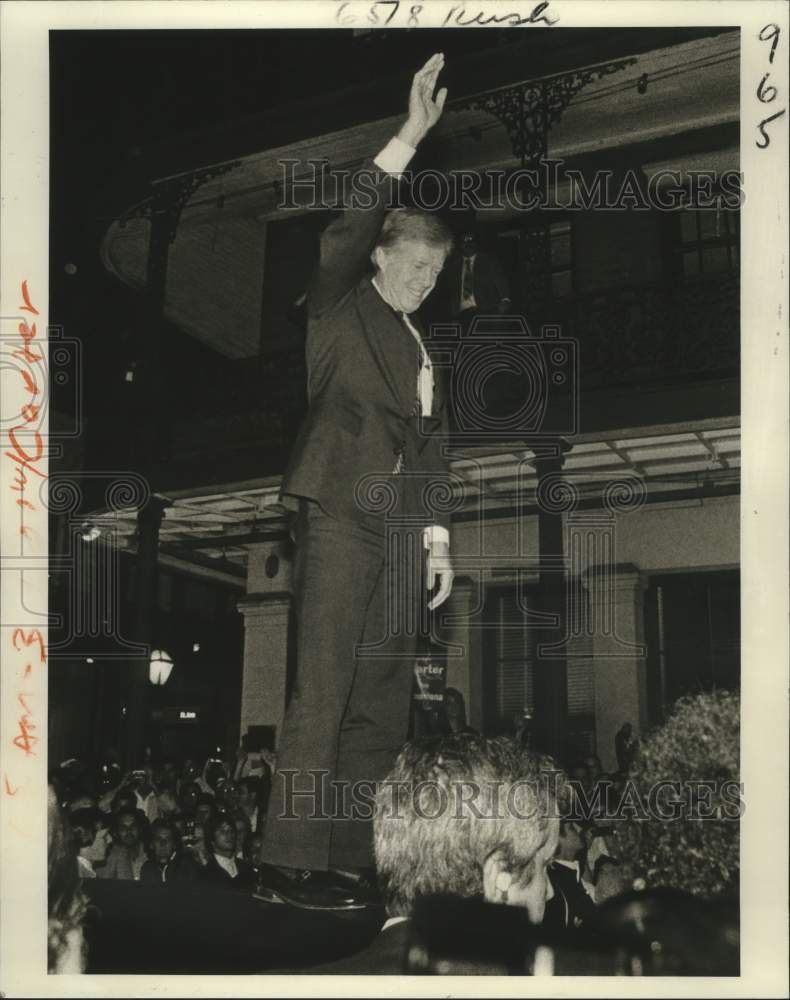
x,y
357,483
475,282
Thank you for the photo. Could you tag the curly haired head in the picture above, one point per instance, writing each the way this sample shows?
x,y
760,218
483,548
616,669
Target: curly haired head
x,y
698,747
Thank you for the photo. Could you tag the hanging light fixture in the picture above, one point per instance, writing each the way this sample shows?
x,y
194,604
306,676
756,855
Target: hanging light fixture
x,y
89,532
161,666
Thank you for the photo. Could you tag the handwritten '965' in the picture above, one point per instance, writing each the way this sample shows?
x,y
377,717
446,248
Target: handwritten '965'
x,y
766,92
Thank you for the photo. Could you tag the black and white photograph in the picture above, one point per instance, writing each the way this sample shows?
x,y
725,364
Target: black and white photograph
x,y
394,497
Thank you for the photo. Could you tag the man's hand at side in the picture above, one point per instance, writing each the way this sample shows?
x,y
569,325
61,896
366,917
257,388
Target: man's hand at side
x,y
424,111
439,566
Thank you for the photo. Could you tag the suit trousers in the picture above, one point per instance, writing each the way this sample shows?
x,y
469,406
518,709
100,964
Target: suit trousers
x,y
359,602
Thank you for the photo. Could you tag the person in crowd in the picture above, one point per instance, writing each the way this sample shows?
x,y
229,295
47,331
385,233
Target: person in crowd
x,y
205,809
626,747
376,411
67,904
571,905
502,857
205,813
189,772
243,833
81,801
594,769
188,797
166,791
224,868
251,763
253,852
454,712
475,283
124,798
214,771
142,783
249,801
611,879
433,837
167,862
523,728
596,839
91,837
226,794
127,854
109,782
695,845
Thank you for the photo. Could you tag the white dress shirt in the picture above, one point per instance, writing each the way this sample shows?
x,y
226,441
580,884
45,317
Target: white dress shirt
x,y
229,864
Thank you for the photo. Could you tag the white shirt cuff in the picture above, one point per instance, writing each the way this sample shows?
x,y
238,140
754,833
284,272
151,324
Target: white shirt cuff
x,y
395,156
435,533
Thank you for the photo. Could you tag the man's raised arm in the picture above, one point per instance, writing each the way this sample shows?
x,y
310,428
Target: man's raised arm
x,y
346,243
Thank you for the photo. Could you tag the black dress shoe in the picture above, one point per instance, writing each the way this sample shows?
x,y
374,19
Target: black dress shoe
x,y
308,889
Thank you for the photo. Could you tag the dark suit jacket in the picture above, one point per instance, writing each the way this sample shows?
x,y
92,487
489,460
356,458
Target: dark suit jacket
x,y
180,868
217,876
362,366
384,956
570,907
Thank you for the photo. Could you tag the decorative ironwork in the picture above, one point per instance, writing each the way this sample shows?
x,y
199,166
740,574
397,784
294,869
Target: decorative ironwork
x,y
528,110
652,332
171,196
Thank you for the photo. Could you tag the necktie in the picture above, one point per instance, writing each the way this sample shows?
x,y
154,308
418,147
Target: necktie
x,y
467,283
416,411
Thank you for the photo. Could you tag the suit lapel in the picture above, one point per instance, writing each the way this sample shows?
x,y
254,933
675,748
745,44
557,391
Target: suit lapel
x,y
383,327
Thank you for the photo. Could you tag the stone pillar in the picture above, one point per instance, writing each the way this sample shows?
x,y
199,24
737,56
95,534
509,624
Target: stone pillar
x,y
266,611
462,636
138,733
550,677
616,610
266,619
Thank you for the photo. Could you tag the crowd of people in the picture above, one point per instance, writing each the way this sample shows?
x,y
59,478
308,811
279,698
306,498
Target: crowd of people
x,y
166,824
179,825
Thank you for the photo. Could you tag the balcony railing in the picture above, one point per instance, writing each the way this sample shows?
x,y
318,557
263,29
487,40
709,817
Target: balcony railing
x,y
649,334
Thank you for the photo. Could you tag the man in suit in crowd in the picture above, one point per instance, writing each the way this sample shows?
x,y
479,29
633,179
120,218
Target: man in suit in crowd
x,y
461,817
475,282
370,445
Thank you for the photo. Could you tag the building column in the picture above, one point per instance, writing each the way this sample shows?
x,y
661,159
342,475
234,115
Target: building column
x,y
266,618
462,637
616,609
138,695
550,671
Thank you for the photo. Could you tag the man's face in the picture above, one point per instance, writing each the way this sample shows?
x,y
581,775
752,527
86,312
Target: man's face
x,y
538,891
571,842
246,797
163,844
203,813
407,272
241,830
128,831
225,838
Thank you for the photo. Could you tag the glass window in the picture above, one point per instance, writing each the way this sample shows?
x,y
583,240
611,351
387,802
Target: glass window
x,y
709,241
